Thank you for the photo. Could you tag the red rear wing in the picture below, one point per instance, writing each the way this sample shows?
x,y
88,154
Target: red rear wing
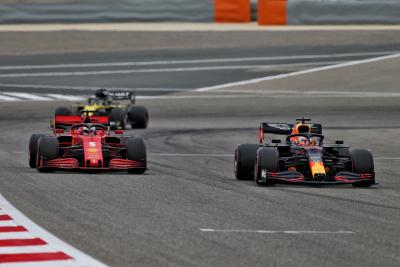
x,y
68,121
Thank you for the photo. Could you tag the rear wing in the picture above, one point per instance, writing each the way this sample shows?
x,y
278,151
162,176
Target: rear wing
x,y
65,122
122,95
276,128
283,129
286,128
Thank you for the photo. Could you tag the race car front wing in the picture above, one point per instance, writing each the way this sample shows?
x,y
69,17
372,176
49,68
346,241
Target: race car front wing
x,y
295,177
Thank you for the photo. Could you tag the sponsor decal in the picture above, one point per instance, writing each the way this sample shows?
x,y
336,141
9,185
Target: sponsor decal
x,y
92,144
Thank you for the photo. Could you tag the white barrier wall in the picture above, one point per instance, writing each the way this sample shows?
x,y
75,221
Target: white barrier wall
x,y
298,11
343,11
20,11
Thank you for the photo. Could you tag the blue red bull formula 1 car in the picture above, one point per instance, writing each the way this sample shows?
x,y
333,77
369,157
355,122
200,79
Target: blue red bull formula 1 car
x,y
86,143
303,158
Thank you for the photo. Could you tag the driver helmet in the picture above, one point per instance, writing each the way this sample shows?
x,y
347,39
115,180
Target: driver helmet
x,y
85,130
101,93
302,141
298,129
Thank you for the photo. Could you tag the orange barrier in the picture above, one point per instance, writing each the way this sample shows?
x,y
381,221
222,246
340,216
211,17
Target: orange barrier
x,y
272,12
232,10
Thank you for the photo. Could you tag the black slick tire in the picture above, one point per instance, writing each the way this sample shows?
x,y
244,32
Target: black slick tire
x,y
267,160
136,151
33,148
245,158
138,117
362,162
48,149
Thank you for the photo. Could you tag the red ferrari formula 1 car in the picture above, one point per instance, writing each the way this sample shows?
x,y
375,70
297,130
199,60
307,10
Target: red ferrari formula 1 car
x,y
86,143
303,158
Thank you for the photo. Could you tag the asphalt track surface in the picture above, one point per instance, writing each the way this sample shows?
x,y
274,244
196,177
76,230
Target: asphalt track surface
x,y
157,219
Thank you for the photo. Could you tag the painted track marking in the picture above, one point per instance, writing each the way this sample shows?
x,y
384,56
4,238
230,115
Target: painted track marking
x,y
230,155
159,70
250,94
194,61
26,244
29,96
190,155
273,231
8,98
298,73
92,88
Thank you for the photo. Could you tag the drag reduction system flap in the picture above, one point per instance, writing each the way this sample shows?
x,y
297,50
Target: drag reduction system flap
x,y
121,95
64,122
286,128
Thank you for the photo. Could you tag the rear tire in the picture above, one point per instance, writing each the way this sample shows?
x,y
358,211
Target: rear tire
x,y
63,111
138,117
245,158
48,149
33,148
117,119
136,150
363,162
267,160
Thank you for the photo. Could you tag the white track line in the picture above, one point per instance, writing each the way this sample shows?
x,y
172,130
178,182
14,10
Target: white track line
x,y
190,155
300,95
18,235
65,263
66,97
273,232
191,26
29,96
275,95
27,249
7,223
93,88
8,98
195,61
160,70
298,73
80,259
229,155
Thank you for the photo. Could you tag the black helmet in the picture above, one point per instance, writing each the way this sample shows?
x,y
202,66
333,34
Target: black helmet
x,y
101,93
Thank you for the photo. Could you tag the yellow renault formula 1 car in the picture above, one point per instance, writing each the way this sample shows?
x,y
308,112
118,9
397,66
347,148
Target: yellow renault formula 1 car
x,y
118,105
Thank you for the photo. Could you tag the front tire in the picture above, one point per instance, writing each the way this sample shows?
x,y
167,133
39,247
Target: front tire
x,y
33,148
245,157
267,161
48,149
136,151
363,162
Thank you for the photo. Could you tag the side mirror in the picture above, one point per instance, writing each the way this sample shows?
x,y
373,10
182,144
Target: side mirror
x,y
276,141
119,132
339,142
